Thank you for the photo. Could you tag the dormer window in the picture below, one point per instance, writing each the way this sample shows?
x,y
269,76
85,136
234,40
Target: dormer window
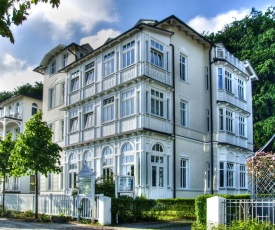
x,y
65,59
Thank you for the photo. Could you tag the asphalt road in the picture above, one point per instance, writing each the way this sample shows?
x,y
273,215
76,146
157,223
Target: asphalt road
x,y
8,224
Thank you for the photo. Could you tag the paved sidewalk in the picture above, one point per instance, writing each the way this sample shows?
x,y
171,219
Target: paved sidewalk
x,y
8,224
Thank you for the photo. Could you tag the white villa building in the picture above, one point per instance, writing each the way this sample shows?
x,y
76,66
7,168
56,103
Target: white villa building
x,y
14,113
160,103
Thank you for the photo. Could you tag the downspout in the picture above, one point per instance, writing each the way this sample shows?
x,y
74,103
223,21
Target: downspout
x,y
211,125
68,48
174,123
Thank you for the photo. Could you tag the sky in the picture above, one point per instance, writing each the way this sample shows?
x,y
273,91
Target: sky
x,y
93,21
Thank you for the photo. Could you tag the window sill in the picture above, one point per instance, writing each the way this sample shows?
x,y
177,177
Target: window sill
x,y
156,116
184,81
74,132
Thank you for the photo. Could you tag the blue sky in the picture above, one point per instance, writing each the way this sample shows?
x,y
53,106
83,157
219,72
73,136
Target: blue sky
x,y
93,21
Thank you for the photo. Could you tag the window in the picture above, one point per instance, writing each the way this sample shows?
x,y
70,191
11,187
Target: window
x,y
156,54
53,67
157,103
72,170
89,73
128,160
51,98
228,82
241,89
109,63
62,129
65,59
208,174
127,103
62,93
229,121
183,68
108,109
73,121
87,158
207,120
221,119
51,127
241,126
242,176
220,78
128,54
184,173
207,78
61,181
157,147
183,113
50,181
226,174
108,162
75,81
34,108
88,116
32,183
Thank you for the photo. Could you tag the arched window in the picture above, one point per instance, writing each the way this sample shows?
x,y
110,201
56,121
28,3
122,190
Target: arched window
x,y
128,160
108,162
87,158
157,147
72,170
34,108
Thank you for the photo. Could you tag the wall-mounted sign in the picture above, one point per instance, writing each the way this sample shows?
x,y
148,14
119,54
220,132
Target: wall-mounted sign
x,y
125,184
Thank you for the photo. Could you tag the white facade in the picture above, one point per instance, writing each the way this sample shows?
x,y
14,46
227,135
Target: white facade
x,y
14,113
149,104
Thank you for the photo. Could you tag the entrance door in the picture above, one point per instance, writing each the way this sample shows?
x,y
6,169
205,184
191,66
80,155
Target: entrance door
x,y
157,177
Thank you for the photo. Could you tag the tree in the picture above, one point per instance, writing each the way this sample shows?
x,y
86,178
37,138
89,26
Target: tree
x,y
6,147
35,90
15,12
253,38
34,152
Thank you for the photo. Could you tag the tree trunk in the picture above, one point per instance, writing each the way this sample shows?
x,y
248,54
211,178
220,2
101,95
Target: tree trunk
x,y
36,195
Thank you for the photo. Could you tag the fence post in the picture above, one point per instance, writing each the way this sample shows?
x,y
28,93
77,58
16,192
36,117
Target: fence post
x,y
215,211
104,214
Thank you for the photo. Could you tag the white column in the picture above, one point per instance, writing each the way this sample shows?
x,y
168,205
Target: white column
x,y
215,213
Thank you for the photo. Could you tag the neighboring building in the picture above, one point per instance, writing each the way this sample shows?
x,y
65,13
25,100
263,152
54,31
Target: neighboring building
x,y
14,113
54,100
161,103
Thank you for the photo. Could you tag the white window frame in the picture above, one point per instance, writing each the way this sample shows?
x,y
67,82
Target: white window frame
x,y
228,81
220,78
183,113
51,98
183,67
75,81
107,162
226,174
128,54
108,110
72,170
88,117
242,126
65,59
74,121
89,74
184,173
243,176
157,103
241,89
53,67
128,160
128,103
109,63
207,79
229,121
157,55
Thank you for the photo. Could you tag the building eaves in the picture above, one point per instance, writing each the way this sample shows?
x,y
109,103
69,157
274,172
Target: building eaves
x,y
13,98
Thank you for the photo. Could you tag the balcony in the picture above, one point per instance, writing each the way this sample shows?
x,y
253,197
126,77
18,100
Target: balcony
x,y
10,114
11,187
222,53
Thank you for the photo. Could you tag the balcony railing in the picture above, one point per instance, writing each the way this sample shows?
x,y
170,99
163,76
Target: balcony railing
x,y
224,54
12,187
10,114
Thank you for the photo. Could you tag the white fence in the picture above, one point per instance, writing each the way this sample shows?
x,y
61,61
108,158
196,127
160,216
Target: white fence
x,y
77,206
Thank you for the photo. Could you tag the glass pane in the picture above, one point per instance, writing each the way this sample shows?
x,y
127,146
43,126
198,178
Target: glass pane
x,y
154,176
160,176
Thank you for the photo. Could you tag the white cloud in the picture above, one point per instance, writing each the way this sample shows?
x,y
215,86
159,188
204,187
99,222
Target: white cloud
x,y
85,16
97,40
217,23
14,72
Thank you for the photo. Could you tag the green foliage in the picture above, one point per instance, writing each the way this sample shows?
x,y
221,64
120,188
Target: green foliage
x,y
6,147
15,12
34,150
237,225
200,204
142,209
253,38
35,90
105,186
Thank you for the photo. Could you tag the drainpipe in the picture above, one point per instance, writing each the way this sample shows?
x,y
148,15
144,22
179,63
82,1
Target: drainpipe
x,y
174,122
211,124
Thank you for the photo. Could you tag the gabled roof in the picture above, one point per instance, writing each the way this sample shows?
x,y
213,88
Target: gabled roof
x,y
11,99
86,172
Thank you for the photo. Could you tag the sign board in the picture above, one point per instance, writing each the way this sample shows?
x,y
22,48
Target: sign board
x,y
125,184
